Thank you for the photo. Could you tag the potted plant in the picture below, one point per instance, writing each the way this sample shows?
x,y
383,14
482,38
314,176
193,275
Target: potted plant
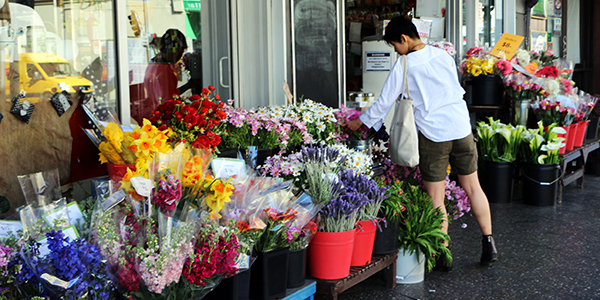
x,y
498,144
386,241
368,195
421,239
541,169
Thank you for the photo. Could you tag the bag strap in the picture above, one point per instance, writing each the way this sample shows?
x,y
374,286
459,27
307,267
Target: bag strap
x,y
404,62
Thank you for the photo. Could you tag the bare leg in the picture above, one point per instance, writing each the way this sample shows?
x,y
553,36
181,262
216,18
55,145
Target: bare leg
x,y
479,201
437,191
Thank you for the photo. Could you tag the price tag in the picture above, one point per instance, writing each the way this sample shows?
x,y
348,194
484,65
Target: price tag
x,y
113,200
142,186
6,227
507,45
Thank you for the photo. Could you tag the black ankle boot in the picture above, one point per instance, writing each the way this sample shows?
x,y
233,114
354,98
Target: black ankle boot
x,y
441,264
489,253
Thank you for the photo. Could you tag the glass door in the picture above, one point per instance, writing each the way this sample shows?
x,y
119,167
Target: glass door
x,y
176,47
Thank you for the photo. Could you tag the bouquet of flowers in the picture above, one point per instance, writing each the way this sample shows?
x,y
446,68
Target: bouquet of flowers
x,y
359,185
541,145
304,228
519,87
214,256
8,289
565,68
585,104
547,72
61,268
478,63
551,111
196,120
499,142
280,212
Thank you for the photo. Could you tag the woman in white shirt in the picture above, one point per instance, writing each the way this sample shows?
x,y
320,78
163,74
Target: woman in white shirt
x,y
442,119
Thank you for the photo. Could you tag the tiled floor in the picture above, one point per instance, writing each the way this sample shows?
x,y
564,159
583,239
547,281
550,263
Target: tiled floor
x,y
544,253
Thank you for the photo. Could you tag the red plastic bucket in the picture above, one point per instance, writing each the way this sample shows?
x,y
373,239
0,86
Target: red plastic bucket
x,y
330,253
363,243
571,137
566,137
581,128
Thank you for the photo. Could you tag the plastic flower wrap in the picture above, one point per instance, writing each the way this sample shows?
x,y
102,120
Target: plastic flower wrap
x,y
322,165
304,228
66,269
165,173
446,46
585,105
477,62
565,68
551,111
280,210
197,120
520,87
214,256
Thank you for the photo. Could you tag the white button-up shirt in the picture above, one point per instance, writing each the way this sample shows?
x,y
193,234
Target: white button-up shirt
x,y
441,114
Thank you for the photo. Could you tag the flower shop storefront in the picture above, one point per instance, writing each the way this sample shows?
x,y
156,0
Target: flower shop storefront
x,y
206,198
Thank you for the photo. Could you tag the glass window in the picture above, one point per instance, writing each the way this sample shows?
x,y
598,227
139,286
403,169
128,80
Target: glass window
x,y
54,46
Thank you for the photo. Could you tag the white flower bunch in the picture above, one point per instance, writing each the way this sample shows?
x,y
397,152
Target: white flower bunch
x,y
551,86
356,160
523,57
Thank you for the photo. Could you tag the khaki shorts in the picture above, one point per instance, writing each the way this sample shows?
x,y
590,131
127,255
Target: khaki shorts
x,y
434,157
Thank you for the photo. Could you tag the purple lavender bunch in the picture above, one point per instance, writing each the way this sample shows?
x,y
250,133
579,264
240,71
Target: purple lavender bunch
x,y
371,194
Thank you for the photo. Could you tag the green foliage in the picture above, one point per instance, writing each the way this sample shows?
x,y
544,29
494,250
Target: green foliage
x,y
421,227
541,145
4,205
499,142
392,207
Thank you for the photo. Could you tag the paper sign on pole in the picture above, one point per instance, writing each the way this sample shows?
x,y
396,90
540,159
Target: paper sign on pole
x,y
507,45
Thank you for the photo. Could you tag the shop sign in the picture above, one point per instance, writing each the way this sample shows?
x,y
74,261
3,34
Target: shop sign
x,y
378,61
191,5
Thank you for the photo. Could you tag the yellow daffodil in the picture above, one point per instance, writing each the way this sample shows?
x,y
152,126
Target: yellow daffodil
x,y
110,154
114,134
148,128
144,144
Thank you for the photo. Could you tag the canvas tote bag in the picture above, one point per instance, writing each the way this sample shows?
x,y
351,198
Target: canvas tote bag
x,y
404,142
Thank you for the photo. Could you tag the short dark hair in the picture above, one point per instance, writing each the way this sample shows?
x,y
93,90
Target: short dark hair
x,y
172,40
397,27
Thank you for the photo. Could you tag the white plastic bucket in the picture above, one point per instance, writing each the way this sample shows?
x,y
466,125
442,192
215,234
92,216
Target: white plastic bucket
x,y
410,268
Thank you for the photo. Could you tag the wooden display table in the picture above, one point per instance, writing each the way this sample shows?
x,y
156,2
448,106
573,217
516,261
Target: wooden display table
x,y
573,164
386,263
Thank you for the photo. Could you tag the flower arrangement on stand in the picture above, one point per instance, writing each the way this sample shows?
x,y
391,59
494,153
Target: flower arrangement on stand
x,y
197,120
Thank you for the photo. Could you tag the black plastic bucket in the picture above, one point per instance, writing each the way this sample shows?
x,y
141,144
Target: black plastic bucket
x,y
540,183
386,240
487,90
269,275
236,287
296,268
497,180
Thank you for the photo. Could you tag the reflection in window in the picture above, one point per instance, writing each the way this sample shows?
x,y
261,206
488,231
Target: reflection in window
x,y
61,45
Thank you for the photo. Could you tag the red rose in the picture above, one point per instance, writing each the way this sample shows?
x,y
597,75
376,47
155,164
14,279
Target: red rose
x,y
201,121
210,87
179,116
203,111
194,97
189,110
215,141
196,104
218,97
204,141
190,120
221,114
205,91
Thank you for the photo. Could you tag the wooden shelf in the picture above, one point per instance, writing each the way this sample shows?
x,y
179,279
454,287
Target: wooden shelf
x,y
573,164
387,263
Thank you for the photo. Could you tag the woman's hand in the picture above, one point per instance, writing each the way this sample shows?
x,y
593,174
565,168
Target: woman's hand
x,y
354,124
